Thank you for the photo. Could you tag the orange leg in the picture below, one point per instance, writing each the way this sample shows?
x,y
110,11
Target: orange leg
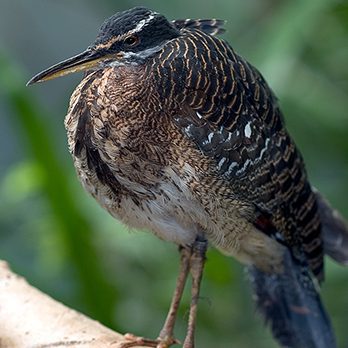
x,y
196,269
192,260
166,336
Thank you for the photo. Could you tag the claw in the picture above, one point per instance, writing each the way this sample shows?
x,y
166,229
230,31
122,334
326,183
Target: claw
x,y
135,341
167,342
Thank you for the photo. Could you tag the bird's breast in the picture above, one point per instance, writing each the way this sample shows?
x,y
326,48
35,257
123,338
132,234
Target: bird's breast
x,y
131,156
126,154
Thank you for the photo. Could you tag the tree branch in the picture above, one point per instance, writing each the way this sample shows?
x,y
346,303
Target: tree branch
x,y
30,318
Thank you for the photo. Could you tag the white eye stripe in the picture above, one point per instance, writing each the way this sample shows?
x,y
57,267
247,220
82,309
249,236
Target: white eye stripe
x,y
143,23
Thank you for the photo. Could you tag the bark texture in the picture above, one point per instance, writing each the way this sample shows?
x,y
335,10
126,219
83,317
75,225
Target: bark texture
x,y
32,319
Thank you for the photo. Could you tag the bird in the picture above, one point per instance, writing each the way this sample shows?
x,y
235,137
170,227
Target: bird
x,y
172,131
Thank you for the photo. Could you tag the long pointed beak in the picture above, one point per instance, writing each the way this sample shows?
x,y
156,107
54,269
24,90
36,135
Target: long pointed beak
x,y
83,61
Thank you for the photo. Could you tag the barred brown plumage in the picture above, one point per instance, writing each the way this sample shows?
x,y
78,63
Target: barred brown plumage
x,y
209,26
265,148
172,131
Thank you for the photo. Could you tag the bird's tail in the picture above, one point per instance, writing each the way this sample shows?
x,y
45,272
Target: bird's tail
x,y
291,305
290,302
334,231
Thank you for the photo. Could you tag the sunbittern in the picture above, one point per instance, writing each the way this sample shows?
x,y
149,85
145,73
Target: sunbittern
x,y
172,131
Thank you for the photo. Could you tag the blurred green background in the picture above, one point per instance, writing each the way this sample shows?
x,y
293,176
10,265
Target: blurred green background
x,y
55,235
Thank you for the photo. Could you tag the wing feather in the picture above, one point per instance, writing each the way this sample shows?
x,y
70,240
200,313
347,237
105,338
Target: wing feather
x,y
209,26
224,105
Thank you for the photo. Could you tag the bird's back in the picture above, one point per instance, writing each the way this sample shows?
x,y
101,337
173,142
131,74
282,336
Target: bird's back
x,y
226,108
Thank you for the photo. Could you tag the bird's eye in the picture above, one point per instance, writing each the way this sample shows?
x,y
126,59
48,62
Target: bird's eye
x,y
131,40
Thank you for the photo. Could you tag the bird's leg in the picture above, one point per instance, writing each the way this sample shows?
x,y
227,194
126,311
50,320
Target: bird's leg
x,y
196,268
166,336
192,260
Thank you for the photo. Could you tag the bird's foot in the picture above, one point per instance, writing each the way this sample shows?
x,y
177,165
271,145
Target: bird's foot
x,y
135,341
166,342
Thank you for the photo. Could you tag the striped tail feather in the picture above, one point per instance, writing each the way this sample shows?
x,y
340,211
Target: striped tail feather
x,y
291,306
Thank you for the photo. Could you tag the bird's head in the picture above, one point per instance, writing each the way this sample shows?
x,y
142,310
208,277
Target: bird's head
x,y
128,37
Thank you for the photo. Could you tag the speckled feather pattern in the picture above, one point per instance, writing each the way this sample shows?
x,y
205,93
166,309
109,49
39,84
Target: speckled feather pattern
x,y
193,143
231,114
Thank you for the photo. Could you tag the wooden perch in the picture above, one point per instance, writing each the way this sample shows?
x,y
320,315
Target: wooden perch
x,y
31,319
